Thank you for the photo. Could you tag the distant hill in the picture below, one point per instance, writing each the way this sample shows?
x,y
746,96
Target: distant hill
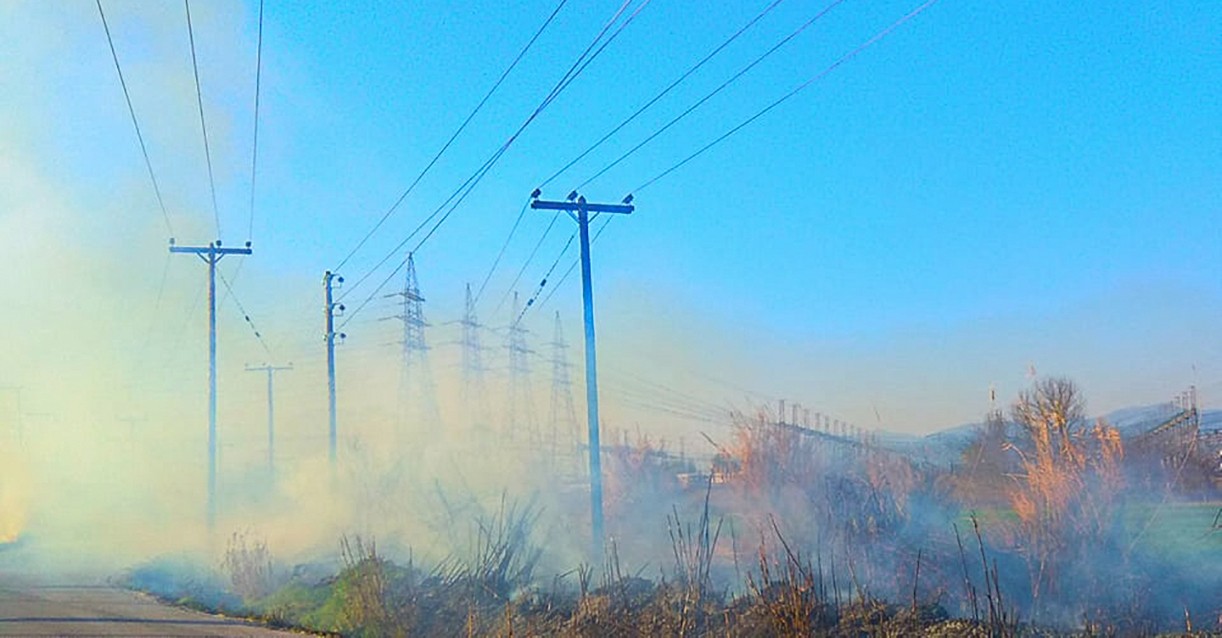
x,y
945,447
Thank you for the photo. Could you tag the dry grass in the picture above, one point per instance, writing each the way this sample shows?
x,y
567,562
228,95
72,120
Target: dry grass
x,y
248,564
854,541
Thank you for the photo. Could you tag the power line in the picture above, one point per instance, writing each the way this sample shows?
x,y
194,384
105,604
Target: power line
x,y
547,231
547,275
254,151
818,76
653,400
245,315
148,332
714,92
568,272
465,189
572,75
199,97
671,411
665,392
139,137
619,30
501,252
453,137
254,148
663,93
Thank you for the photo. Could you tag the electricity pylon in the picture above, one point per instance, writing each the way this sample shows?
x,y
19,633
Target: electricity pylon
x,y
562,420
472,366
520,411
416,392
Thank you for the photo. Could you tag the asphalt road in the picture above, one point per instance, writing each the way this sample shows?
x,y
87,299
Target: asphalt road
x,y
41,610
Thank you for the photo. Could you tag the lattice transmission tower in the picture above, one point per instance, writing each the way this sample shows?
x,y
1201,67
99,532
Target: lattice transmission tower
x,y
473,387
417,396
562,419
520,424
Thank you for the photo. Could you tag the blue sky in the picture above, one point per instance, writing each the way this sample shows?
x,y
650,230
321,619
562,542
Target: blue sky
x,y
993,186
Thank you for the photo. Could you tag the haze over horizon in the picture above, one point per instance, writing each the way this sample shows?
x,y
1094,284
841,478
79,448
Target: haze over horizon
x,y
980,192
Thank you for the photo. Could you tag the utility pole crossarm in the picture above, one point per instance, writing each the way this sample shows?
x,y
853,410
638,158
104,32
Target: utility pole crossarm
x,y
210,250
267,368
540,204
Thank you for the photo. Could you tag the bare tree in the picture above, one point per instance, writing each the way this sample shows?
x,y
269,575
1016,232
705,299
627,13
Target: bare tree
x,y
1069,479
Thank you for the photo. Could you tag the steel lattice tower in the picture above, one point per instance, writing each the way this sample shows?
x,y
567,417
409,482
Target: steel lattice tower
x,y
520,411
417,395
473,388
563,416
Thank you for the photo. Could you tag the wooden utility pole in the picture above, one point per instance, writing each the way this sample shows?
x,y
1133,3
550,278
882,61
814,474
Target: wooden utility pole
x,y
211,254
580,210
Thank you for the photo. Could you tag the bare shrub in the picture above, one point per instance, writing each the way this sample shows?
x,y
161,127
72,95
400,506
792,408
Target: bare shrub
x,y
248,564
1070,478
763,456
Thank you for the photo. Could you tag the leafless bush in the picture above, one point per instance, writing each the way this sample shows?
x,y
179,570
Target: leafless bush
x,y
1069,481
248,563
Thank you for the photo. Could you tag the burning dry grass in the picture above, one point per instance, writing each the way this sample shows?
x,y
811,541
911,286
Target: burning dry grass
x,y
854,540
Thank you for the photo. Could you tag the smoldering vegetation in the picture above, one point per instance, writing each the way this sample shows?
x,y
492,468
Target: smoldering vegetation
x,y
1049,524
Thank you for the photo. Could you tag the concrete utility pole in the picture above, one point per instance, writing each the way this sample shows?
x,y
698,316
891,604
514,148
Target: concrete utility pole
x,y
580,210
211,254
330,281
271,411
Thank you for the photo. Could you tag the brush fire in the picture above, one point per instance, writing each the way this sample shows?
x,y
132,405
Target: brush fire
x,y
1047,522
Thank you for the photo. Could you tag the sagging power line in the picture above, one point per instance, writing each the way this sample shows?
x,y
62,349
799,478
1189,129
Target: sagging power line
x,y
529,258
571,268
254,146
460,194
798,89
199,98
135,123
708,96
654,100
504,74
501,253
